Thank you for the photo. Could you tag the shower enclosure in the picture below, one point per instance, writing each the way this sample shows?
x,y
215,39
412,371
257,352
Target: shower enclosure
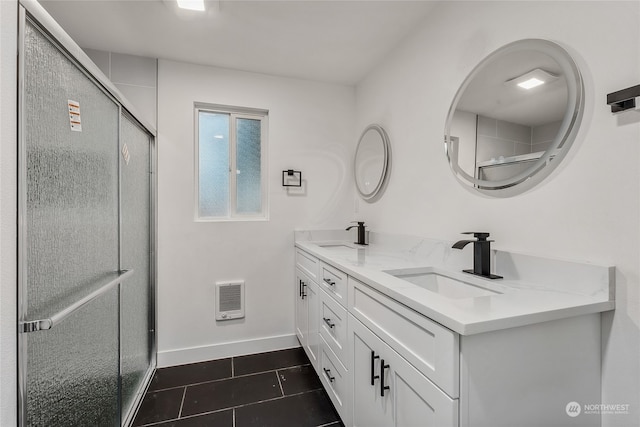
x,y
86,290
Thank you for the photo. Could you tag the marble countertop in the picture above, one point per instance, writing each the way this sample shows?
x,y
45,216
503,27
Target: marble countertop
x,y
533,289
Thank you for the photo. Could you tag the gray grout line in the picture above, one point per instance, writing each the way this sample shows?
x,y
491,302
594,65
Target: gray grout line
x,y
234,417
273,399
182,418
232,369
269,370
279,382
233,408
182,402
228,378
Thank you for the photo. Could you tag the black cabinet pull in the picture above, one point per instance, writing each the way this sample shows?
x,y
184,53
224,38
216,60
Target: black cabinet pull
x,y
328,322
328,282
382,386
300,287
302,294
373,371
327,372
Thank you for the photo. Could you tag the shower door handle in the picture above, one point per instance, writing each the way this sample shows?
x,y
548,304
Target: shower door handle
x,y
50,322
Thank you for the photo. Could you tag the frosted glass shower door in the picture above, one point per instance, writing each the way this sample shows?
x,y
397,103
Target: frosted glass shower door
x,y
69,247
135,309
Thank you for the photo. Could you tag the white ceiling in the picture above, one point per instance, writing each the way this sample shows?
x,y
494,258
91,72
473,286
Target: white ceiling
x,y
327,40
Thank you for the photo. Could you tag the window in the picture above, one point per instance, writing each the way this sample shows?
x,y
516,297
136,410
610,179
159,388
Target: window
x,y
231,163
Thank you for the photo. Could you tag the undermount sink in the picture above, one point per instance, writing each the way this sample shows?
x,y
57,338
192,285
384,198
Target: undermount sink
x,y
335,246
443,285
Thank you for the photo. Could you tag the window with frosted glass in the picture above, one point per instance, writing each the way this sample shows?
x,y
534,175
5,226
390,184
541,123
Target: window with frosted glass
x,y
248,189
213,149
231,150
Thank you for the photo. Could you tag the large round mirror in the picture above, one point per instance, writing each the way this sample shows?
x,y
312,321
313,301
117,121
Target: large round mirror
x,y
371,162
514,117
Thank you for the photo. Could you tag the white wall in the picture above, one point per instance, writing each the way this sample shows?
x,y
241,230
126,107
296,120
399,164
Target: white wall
x,y
8,209
310,129
588,209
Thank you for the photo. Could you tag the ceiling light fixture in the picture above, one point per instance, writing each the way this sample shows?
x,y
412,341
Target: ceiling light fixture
x,y
191,4
533,78
531,83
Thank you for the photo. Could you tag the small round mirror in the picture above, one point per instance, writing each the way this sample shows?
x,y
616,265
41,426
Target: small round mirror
x,y
514,117
371,162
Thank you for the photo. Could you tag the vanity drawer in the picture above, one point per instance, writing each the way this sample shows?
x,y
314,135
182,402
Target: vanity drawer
x,y
335,380
427,345
308,264
333,326
334,282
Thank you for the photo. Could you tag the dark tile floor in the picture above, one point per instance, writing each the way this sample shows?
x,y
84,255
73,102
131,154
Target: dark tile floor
x,y
278,389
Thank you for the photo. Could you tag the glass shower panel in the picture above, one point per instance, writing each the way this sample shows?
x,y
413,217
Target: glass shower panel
x,y
72,180
73,368
136,298
70,137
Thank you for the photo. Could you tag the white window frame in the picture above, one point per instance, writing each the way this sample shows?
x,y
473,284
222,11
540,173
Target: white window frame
x,y
234,114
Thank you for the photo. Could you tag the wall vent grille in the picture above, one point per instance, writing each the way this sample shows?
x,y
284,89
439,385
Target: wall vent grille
x,y
229,300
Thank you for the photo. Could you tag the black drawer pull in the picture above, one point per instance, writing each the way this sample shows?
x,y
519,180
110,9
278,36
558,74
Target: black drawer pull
x,y
328,282
328,322
373,371
382,386
327,372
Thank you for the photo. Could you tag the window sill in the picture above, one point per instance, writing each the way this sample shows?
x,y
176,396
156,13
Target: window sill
x,y
237,219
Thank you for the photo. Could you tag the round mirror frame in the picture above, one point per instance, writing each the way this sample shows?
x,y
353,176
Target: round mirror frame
x,y
564,138
384,175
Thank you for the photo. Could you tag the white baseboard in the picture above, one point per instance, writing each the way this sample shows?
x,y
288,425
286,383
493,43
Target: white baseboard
x,y
182,356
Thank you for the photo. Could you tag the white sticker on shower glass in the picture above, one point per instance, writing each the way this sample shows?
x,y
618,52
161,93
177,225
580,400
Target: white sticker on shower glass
x,y
74,115
125,153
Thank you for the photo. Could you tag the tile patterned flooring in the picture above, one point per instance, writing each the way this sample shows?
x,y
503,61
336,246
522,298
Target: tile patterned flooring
x,y
278,388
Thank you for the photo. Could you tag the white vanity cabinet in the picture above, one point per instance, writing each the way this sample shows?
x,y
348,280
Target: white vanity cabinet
x,y
308,264
334,282
321,326
388,391
385,364
336,380
427,345
333,326
306,318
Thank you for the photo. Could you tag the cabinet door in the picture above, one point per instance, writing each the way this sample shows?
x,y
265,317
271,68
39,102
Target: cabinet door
x,y
312,342
409,400
302,320
417,401
370,409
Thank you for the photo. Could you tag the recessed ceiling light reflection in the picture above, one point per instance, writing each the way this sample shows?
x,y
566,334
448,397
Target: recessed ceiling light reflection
x,y
531,83
533,78
191,4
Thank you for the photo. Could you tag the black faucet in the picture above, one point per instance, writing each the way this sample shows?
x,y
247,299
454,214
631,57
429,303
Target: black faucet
x,y
481,254
361,234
